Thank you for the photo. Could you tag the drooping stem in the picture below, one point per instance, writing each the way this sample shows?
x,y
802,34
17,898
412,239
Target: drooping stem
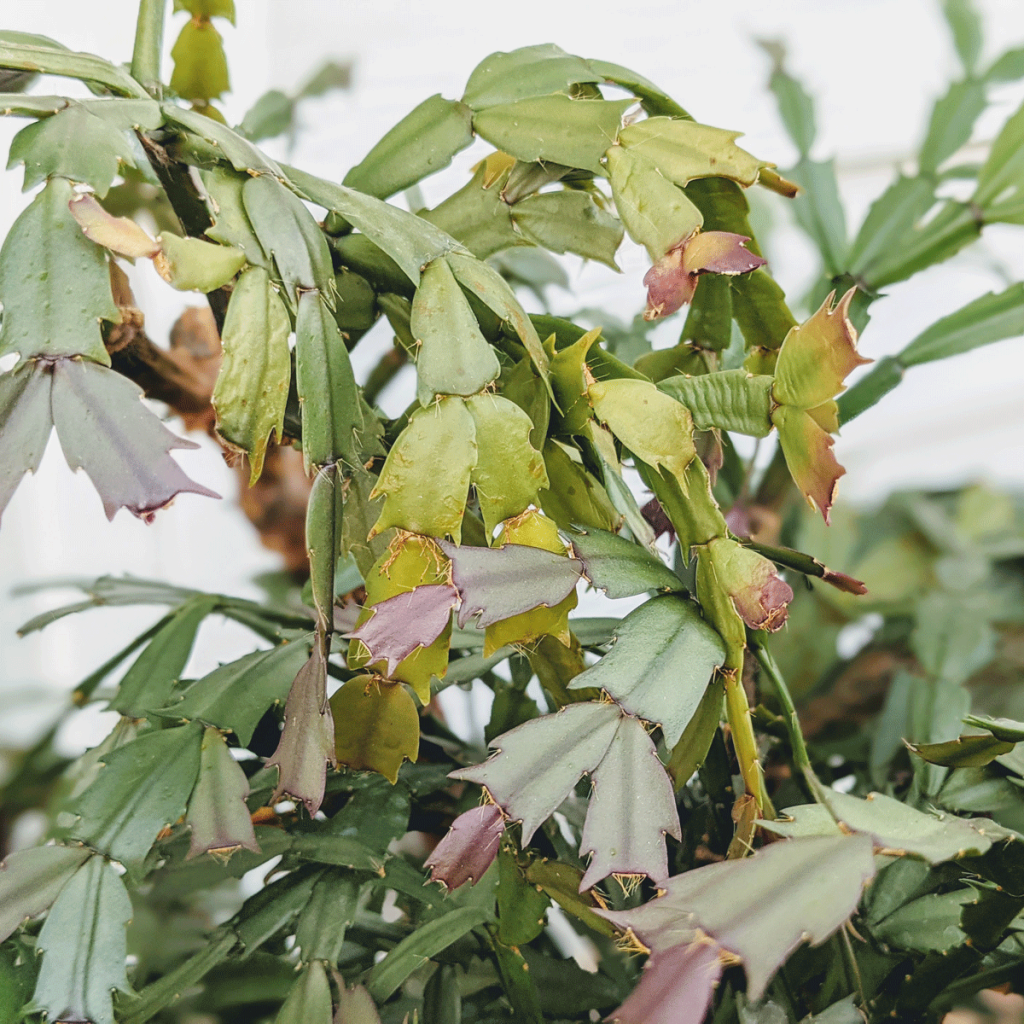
x,y
737,710
796,737
149,40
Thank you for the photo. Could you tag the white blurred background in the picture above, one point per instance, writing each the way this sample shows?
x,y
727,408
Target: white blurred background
x,y
874,67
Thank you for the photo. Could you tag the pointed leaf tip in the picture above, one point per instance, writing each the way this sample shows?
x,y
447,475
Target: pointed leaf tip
x,y
469,848
632,808
497,583
306,746
105,429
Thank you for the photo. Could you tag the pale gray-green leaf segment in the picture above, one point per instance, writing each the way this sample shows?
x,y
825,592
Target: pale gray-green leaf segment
x,y
537,764
632,808
762,907
25,426
84,947
660,665
620,567
30,880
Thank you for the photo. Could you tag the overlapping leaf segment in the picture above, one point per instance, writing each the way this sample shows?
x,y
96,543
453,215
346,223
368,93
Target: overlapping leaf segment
x,y
510,441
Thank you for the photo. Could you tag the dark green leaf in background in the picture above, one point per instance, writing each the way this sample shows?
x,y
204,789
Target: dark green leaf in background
x,y
321,927
148,683
235,696
309,1001
423,142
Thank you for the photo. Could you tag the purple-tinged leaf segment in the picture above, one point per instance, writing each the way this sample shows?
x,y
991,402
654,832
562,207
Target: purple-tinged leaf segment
x,y
538,764
217,814
30,880
497,583
469,848
84,946
632,808
122,446
675,988
660,665
401,624
672,281
757,592
306,746
355,1005
760,908
25,425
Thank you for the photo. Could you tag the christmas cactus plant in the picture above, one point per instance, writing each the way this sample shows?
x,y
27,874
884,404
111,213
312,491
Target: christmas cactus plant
x,y
650,801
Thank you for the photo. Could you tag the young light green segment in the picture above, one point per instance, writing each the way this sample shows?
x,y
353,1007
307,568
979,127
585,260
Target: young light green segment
x,y
427,473
554,128
54,283
509,470
194,265
252,387
656,213
684,150
454,357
